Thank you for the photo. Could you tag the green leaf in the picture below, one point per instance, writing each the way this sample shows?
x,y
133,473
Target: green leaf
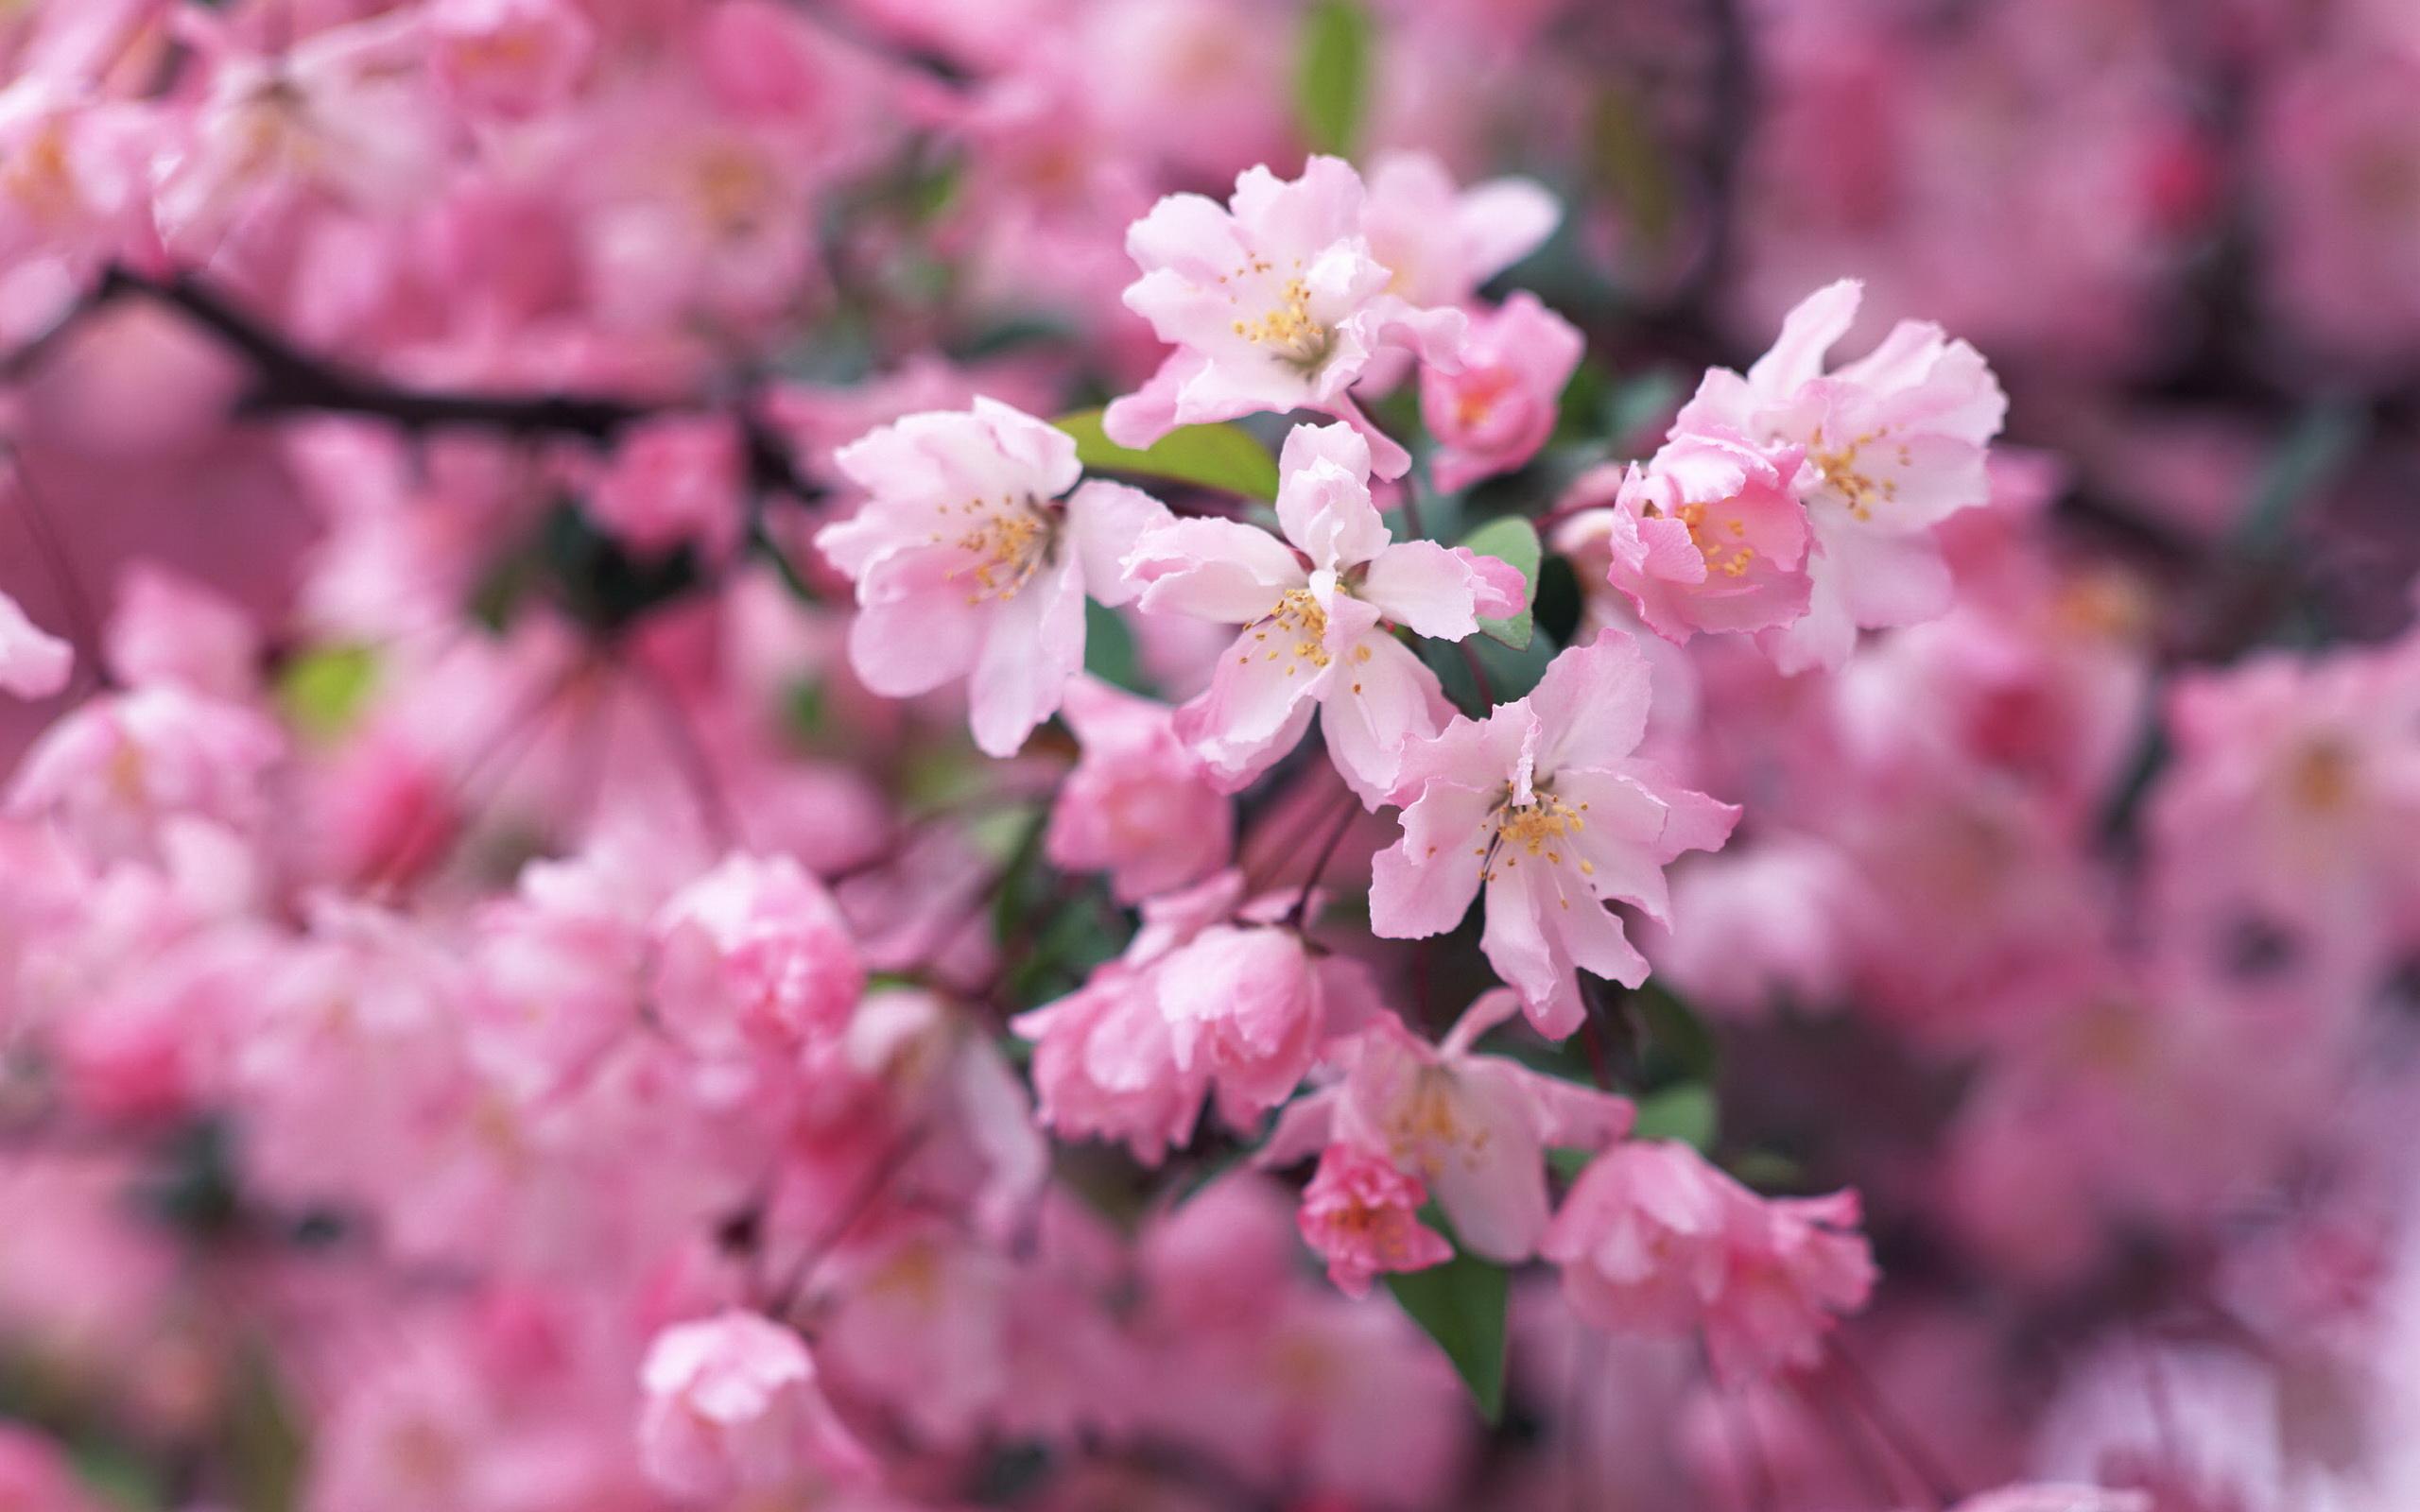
x,y
323,692
1460,1305
1678,1031
1685,1112
1510,538
1110,653
1331,76
1215,456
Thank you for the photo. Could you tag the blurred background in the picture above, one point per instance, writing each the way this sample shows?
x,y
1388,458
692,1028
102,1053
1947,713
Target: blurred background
x,y
2079,932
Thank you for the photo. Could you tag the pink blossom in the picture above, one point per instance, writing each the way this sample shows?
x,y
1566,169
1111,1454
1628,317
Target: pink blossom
x,y
1550,779
1317,618
755,952
732,1406
2035,1498
115,770
673,481
167,629
1208,996
510,58
1492,414
1138,804
1710,537
1473,1128
33,663
1362,1216
1441,242
1274,303
969,565
1893,443
1654,1240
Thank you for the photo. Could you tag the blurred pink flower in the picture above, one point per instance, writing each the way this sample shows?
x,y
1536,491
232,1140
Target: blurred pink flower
x,y
732,1407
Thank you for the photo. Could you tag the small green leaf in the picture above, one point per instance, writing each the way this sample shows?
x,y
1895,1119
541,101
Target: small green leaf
x,y
1215,456
323,692
1685,1112
1510,538
1460,1305
1677,1030
1110,652
1332,78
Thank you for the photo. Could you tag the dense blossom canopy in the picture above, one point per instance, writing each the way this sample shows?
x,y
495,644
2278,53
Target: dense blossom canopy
x,y
1209,755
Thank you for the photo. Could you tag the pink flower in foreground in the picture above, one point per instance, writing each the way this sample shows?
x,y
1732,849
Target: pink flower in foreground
x,y
1273,304
969,565
1362,1216
755,952
732,1406
33,662
1475,1128
1543,802
1892,442
1492,414
1206,998
1710,537
1316,618
1654,1240
1138,804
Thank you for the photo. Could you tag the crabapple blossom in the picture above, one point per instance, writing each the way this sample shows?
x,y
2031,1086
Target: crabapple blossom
x,y
1494,412
1891,444
1274,302
1654,1240
754,953
1441,242
969,563
1361,1215
1472,1129
1138,804
1209,997
1550,778
1709,536
733,1406
1317,609
33,663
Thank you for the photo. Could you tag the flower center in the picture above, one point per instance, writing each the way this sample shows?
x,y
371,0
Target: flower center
x,y
1300,626
1287,330
1537,828
1728,557
1008,546
1843,473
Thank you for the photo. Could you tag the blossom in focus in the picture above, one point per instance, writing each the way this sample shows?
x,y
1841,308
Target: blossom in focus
x,y
1361,1215
1208,997
1439,241
732,1407
1548,779
1498,408
969,563
1274,302
1473,1128
1891,444
755,952
1138,804
1317,616
1710,537
1654,1240
33,663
